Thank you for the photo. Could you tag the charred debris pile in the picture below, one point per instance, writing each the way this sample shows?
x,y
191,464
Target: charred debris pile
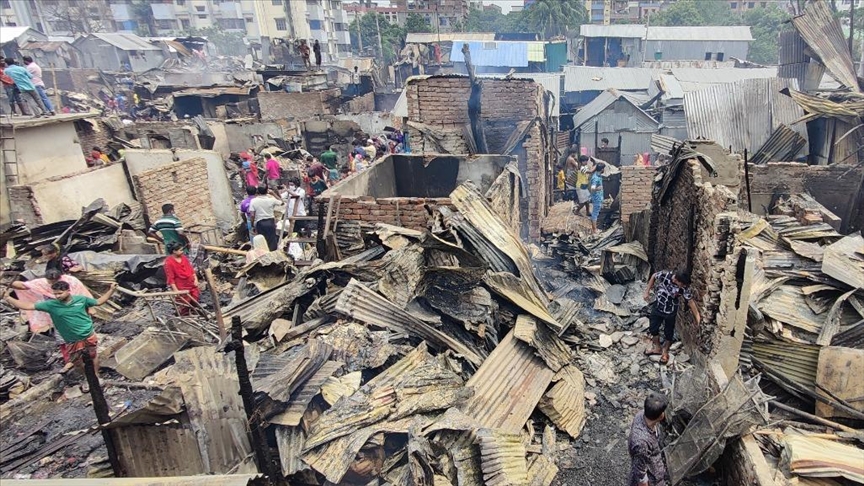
x,y
432,357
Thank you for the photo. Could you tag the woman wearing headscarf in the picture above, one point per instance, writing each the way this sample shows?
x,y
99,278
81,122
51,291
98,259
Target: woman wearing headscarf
x,y
181,276
39,289
54,260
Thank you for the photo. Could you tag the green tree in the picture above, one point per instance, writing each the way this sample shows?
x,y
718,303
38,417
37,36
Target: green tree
x,y
392,36
555,17
765,25
694,12
143,14
479,20
417,23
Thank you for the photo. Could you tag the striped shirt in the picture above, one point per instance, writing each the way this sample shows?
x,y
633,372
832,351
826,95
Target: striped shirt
x,y
170,228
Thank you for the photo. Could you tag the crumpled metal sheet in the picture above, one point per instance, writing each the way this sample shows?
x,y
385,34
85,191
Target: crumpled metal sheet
x,y
564,403
455,292
822,32
844,260
546,344
502,457
301,398
507,386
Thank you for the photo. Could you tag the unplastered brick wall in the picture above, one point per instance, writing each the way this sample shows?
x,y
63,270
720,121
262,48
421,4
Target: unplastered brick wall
x,y
537,179
695,227
361,104
277,105
637,182
837,187
184,185
92,133
408,212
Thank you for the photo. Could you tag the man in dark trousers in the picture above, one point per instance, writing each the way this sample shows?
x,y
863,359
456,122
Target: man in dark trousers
x,y
670,289
646,460
316,49
261,213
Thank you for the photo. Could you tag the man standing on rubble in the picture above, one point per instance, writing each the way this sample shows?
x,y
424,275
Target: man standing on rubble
x,y
316,49
12,92
69,315
304,53
330,158
261,213
671,287
170,228
273,170
646,459
36,73
583,183
24,82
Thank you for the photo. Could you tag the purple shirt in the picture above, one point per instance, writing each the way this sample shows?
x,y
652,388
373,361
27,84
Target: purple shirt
x,y
244,204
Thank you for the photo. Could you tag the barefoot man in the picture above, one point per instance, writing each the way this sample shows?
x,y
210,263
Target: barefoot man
x,y
670,289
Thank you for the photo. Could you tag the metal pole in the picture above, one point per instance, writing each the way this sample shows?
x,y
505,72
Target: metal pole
x,y
360,32
747,182
380,47
103,415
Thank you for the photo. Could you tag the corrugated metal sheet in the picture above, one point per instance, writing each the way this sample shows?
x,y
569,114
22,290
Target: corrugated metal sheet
x,y
631,31
214,480
791,48
808,74
290,442
722,75
301,398
502,457
662,144
741,115
564,403
713,33
125,42
783,145
632,118
430,38
587,78
11,33
787,305
671,87
365,305
685,50
495,54
795,361
822,32
400,109
507,386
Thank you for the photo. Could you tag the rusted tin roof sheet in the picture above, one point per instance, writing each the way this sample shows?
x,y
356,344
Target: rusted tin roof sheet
x,y
502,457
783,145
507,386
564,404
822,32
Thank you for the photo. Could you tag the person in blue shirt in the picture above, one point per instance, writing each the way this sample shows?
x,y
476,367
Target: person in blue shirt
x,y
24,81
596,188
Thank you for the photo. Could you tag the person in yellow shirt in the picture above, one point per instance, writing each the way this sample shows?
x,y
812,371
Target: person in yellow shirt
x,y
560,179
583,180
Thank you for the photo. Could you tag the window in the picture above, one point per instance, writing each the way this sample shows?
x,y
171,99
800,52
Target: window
x,y
720,56
315,24
443,21
199,8
202,16
751,4
276,2
185,24
181,2
249,20
733,5
7,4
763,4
165,24
281,24
707,56
236,24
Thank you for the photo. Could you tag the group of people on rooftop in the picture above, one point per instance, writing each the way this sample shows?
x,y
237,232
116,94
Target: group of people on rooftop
x,y
24,84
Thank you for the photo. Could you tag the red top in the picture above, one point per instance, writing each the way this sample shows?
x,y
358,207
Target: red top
x,y
179,273
273,169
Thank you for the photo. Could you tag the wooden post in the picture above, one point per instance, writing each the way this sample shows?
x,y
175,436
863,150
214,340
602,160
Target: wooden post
x,y
320,244
103,415
747,181
259,440
220,321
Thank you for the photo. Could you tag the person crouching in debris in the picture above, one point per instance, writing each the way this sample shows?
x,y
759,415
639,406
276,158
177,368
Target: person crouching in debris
x,y
670,287
69,314
261,211
181,276
596,188
646,460
169,227
54,260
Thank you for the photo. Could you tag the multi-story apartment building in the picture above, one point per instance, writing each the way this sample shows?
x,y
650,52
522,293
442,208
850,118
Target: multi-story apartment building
x,y
439,13
324,20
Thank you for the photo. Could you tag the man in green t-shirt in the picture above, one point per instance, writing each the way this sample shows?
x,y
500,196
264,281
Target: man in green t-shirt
x,y
71,320
169,227
330,158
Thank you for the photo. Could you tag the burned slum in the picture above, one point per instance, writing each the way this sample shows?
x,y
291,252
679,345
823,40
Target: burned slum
x,y
448,270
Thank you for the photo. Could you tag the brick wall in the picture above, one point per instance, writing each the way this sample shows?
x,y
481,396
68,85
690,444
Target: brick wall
x,y
409,212
837,187
637,184
695,228
23,205
360,104
92,133
183,184
442,103
277,105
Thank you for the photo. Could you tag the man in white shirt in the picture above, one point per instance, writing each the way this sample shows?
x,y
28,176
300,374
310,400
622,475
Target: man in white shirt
x,y
261,215
36,72
293,196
